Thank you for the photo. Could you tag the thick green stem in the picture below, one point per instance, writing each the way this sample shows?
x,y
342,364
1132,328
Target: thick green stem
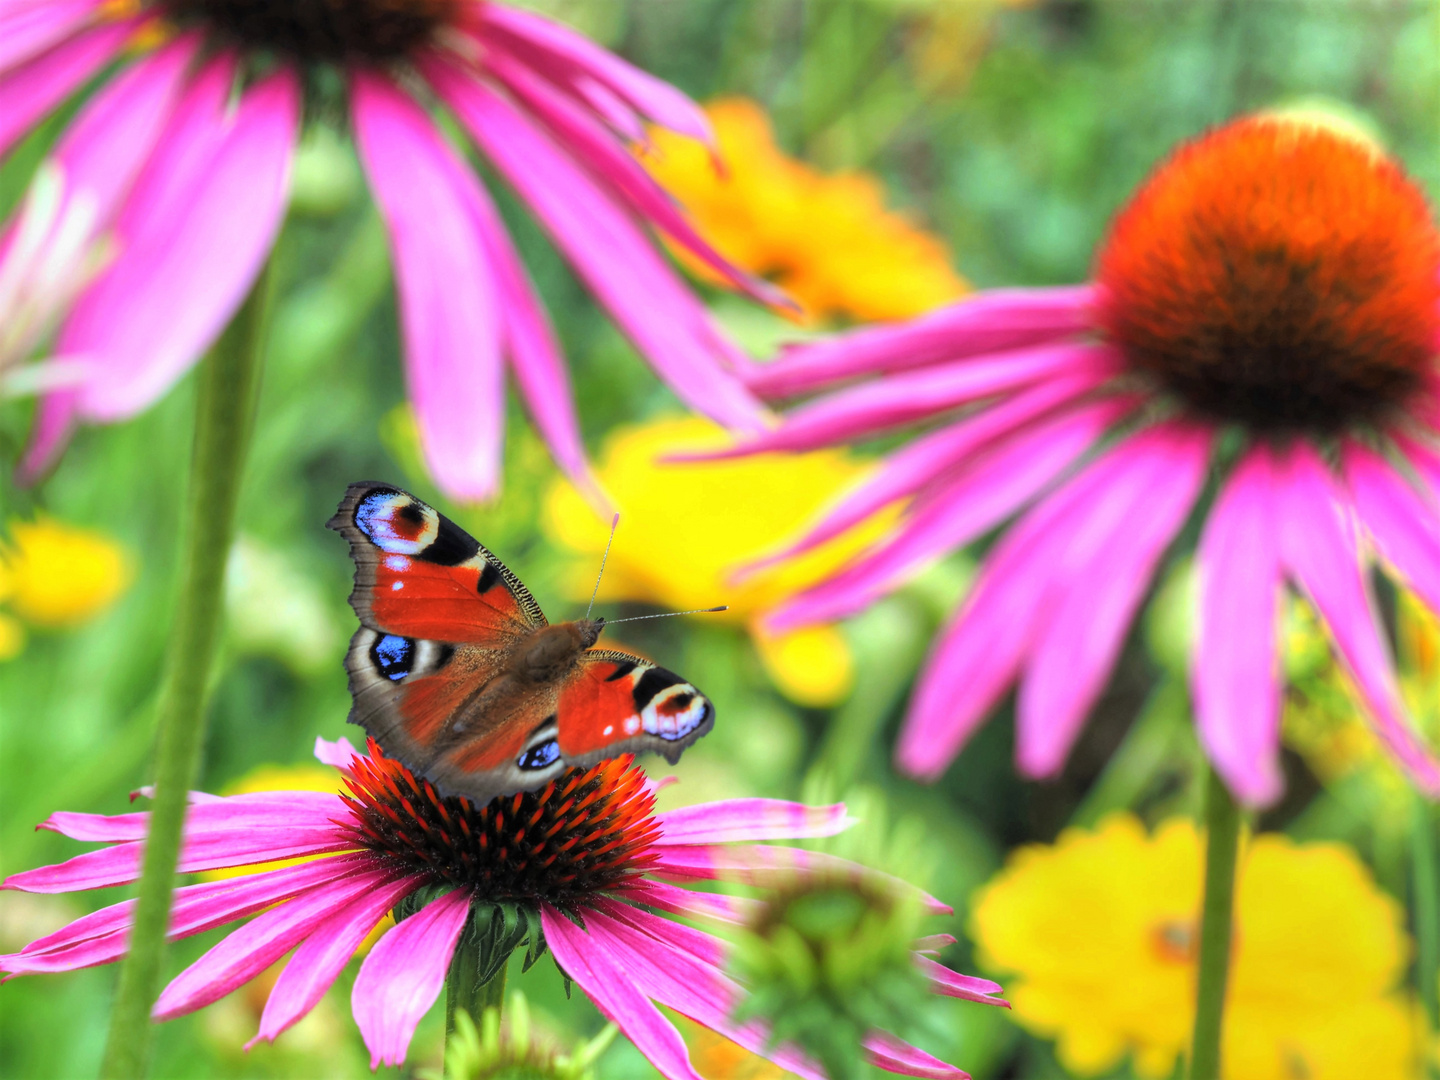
x,y
1427,909
1222,844
224,412
466,991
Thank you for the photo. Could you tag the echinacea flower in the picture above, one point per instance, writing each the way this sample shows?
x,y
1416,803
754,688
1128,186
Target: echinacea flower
x,y
54,575
1319,956
585,859
828,240
157,207
1266,310
687,526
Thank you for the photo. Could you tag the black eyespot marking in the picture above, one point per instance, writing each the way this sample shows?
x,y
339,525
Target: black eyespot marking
x,y
393,656
443,653
622,669
681,701
452,546
412,513
541,756
651,683
489,578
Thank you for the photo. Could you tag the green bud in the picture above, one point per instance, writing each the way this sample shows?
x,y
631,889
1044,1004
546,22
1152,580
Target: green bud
x,y
514,1050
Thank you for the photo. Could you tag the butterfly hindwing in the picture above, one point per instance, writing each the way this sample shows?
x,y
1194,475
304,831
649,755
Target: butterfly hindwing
x,y
614,702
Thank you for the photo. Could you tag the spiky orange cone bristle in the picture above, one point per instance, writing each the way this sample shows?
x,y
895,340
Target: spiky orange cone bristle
x,y
1279,273
586,831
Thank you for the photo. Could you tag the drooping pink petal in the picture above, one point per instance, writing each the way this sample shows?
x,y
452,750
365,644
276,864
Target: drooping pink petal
x,y
1319,548
978,656
27,30
338,753
237,813
897,1056
1404,524
750,819
670,327
448,298
609,985
617,168
979,498
1090,613
688,902
953,984
403,975
994,321
103,936
562,55
32,91
859,411
249,950
1425,458
931,456
933,943
320,958
173,287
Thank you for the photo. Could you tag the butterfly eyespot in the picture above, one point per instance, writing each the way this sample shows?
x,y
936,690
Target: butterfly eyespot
x,y
540,756
394,656
395,523
676,712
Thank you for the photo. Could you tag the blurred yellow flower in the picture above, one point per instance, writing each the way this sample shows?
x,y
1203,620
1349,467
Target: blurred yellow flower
x,y
717,1058
829,241
53,576
1098,934
685,527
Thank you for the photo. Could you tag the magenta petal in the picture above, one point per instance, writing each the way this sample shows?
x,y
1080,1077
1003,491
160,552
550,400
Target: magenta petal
x,y
448,302
249,950
403,975
990,322
27,30
618,262
688,902
1236,671
1091,612
338,753
169,293
318,961
237,813
750,819
1404,524
607,982
953,984
897,1056
1319,548
1424,457
32,91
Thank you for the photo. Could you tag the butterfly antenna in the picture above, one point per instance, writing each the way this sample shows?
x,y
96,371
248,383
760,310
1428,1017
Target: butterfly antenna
x,y
596,591
668,614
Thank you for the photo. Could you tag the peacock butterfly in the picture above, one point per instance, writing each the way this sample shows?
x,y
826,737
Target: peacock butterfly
x,y
456,672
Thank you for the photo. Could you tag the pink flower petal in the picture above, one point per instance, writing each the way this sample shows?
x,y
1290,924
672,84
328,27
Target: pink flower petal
x,y
1090,613
993,321
448,300
608,983
563,55
1319,548
27,30
860,411
670,327
171,290
338,753
991,489
32,91
897,1056
688,902
750,819
249,950
1404,524
403,975
953,984
237,813
319,960
1425,458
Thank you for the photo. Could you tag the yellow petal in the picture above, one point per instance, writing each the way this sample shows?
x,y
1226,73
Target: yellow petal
x,y
12,638
61,576
812,666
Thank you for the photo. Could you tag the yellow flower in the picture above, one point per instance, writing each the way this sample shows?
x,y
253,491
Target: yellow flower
x,y
1097,934
717,1058
55,576
829,241
686,527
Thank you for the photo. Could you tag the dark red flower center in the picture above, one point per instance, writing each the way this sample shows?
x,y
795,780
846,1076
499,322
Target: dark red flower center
x,y
319,30
587,831
1278,273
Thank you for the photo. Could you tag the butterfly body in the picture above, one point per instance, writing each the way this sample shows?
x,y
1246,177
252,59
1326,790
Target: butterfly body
x,y
456,672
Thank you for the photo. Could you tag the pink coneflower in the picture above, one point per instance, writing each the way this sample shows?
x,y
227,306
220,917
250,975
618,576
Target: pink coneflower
x,y
1265,313
587,848
161,200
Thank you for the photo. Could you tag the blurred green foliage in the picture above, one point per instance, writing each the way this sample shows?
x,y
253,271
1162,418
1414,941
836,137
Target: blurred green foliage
x,y
1015,140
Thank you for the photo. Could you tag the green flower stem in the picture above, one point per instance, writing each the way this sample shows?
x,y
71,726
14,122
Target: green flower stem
x,y
465,992
224,411
1222,844
1427,909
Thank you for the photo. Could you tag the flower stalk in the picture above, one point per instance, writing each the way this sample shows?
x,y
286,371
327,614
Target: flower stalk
x,y
1222,844
476,979
224,414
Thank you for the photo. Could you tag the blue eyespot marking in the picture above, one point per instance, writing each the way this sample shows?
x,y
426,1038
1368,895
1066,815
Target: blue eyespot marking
x,y
394,656
394,522
537,757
